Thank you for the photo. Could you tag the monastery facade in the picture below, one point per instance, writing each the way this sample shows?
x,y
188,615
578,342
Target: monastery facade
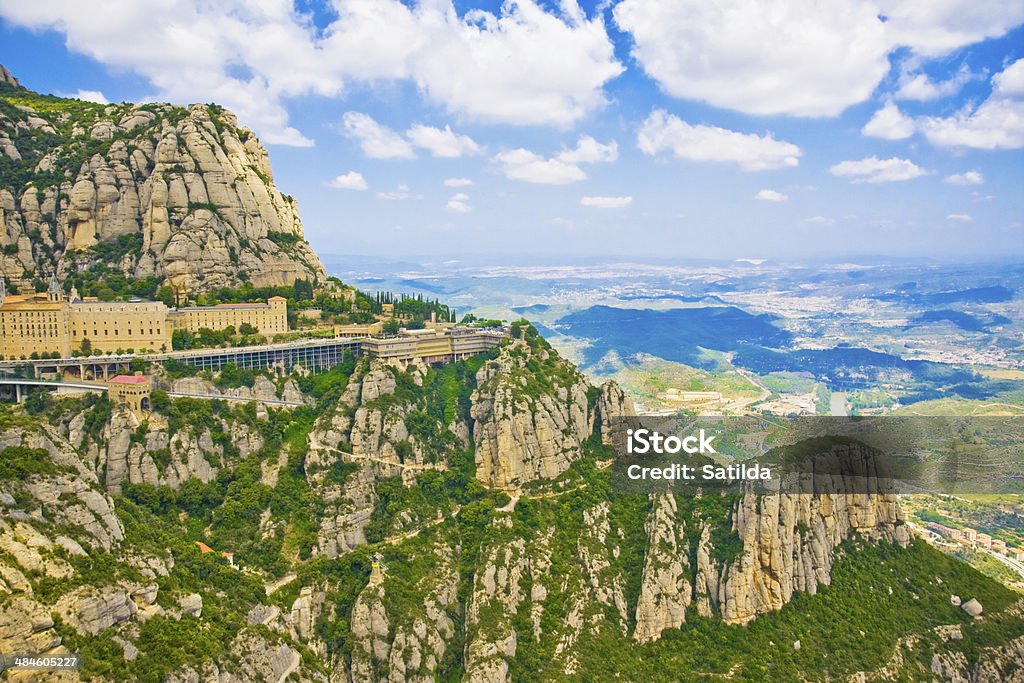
x,y
52,323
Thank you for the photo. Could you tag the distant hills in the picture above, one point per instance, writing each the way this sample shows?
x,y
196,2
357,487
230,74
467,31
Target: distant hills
x,y
977,295
677,334
758,345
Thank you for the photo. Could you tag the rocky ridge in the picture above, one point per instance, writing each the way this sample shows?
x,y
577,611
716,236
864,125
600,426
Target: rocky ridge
x,y
185,195
524,430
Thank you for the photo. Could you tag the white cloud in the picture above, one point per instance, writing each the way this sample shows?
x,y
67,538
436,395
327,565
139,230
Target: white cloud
x,y
561,169
520,65
663,132
380,142
400,193
933,28
530,167
1010,81
590,151
968,178
796,57
606,202
915,85
376,141
457,182
889,123
875,170
962,217
799,57
457,203
350,181
247,56
91,96
771,196
442,143
997,123
525,66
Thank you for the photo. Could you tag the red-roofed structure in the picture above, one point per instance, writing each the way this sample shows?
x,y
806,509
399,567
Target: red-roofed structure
x,y
133,391
129,379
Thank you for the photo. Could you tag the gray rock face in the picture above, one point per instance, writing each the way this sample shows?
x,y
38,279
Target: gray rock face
x,y
182,455
665,590
996,664
789,540
419,645
69,498
497,588
191,605
369,436
613,405
253,659
26,626
972,607
370,628
190,185
262,614
343,525
7,77
89,610
305,611
788,544
379,381
525,431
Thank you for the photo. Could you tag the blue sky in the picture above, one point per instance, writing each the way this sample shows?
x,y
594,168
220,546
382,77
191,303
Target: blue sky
x,y
668,128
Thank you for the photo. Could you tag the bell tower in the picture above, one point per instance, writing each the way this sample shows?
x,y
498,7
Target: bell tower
x,y
54,294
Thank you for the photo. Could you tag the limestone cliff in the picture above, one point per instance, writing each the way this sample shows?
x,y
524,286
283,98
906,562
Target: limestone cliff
x,y
525,429
181,194
411,648
781,544
790,539
57,528
380,428
532,410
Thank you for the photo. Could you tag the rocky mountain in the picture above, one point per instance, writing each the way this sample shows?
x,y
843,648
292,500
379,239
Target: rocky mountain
x,y
444,523
183,195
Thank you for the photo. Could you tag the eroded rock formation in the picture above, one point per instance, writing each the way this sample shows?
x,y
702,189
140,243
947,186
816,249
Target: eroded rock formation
x,y
183,194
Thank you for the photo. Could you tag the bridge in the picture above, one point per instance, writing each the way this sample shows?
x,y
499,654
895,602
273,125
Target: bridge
x,y
21,387
316,355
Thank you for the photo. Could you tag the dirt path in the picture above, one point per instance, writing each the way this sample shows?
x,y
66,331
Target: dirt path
x,y
314,444
283,581
404,536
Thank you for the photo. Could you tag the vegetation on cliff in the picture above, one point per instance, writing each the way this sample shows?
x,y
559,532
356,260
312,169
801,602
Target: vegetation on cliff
x,y
371,548
126,197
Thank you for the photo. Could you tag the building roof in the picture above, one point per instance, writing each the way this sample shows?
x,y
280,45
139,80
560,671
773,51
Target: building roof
x,y
219,307
33,305
129,379
203,548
